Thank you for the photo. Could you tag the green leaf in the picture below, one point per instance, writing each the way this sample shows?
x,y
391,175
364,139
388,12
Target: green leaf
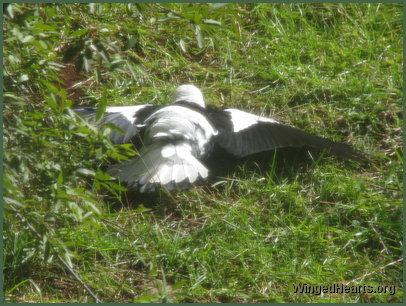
x,y
100,175
132,42
78,33
59,181
101,107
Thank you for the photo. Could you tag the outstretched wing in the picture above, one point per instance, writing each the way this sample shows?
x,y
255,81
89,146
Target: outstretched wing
x,y
243,134
127,118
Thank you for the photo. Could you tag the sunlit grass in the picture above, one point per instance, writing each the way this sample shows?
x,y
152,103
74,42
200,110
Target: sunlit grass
x,y
331,69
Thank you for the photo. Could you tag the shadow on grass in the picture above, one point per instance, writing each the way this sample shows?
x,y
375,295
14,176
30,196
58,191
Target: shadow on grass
x,y
282,164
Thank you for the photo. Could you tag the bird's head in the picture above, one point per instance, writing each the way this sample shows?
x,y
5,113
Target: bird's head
x,y
188,93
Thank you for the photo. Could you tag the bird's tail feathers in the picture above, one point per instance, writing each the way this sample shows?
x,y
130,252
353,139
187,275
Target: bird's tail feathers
x,y
171,166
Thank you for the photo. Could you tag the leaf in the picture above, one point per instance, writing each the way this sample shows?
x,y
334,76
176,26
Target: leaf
x,y
51,101
101,107
59,181
78,33
215,6
13,202
132,42
199,37
50,86
182,45
211,21
23,78
87,64
86,171
92,8
236,28
130,67
45,27
10,10
27,38
36,287
100,175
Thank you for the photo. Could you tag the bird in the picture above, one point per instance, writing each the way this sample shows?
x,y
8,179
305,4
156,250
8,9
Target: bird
x,y
174,142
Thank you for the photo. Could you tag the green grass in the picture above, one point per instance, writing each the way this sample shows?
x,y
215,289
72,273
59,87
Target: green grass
x,y
331,69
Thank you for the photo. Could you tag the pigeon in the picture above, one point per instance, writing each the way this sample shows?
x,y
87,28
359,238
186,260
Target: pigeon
x,y
175,141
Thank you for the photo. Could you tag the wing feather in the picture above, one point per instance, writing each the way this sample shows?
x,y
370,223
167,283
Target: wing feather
x,y
243,134
127,118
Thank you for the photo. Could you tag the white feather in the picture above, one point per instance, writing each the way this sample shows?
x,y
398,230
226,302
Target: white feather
x,y
191,172
127,111
172,163
165,174
180,122
188,93
178,173
242,120
168,151
123,117
174,138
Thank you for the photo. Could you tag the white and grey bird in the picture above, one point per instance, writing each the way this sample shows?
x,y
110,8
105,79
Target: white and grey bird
x,y
178,139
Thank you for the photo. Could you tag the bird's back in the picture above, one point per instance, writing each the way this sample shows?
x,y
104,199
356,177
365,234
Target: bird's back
x,y
174,139
181,124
